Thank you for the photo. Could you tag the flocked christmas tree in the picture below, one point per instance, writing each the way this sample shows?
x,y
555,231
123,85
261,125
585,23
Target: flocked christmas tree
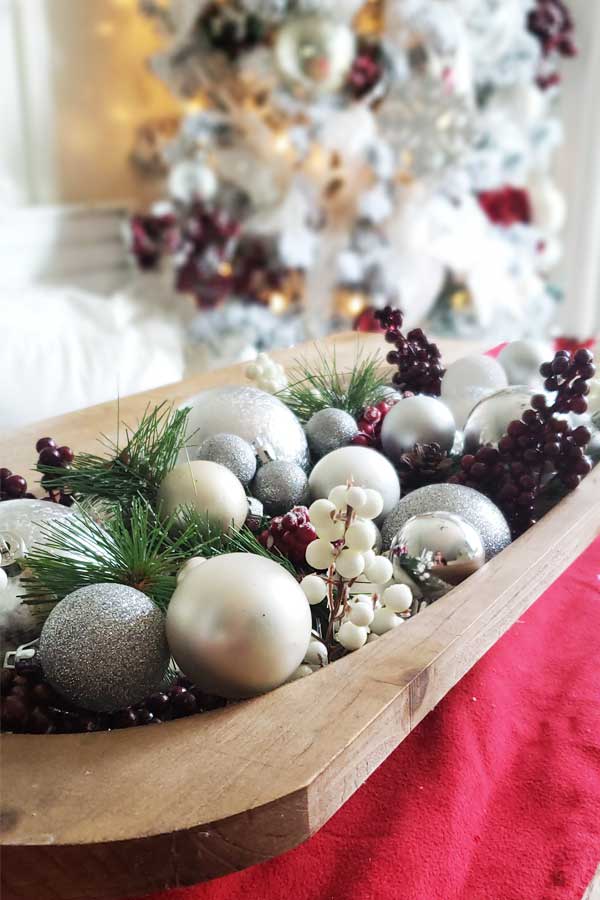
x,y
337,156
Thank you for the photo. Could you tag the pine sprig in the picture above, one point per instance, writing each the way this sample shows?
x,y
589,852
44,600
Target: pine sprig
x,y
134,548
312,389
133,469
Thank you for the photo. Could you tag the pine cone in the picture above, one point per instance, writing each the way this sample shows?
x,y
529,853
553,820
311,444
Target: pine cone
x,y
425,464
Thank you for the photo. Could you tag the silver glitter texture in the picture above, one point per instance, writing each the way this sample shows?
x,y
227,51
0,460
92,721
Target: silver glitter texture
x,y
475,508
329,429
104,647
230,451
259,418
279,485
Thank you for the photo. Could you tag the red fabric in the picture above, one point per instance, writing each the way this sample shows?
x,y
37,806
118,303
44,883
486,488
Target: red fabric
x,y
495,796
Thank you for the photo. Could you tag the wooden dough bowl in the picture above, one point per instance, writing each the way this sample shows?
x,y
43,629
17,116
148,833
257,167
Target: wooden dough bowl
x,y
124,813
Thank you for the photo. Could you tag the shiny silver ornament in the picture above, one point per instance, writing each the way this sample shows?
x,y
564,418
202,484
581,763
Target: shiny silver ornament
x,y
475,508
104,647
488,421
329,429
21,527
231,451
417,420
453,545
238,625
279,485
314,52
259,418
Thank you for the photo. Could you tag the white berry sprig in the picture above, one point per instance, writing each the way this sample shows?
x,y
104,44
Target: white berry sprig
x,y
268,375
346,537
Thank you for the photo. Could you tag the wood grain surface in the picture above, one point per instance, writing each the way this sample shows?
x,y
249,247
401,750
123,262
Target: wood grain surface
x,y
122,813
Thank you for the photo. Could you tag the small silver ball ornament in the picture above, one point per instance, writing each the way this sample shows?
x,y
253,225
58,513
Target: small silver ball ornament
x,y
104,647
417,420
475,508
329,429
489,419
280,485
455,547
315,52
231,451
238,625
259,418
521,360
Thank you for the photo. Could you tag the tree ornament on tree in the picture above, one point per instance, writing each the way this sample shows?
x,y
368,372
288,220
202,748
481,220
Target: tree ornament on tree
x,y
314,53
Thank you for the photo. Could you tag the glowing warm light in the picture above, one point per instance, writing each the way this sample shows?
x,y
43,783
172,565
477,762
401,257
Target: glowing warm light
x,y
282,142
278,302
104,29
194,106
224,269
120,114
355,304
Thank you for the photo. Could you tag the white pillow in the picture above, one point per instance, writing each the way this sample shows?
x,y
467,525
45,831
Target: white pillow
x,y
62,349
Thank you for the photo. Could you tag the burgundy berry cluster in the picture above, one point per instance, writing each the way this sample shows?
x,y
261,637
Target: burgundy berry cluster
x,y
420,370
30,705
290,534
370,423
551,22
537,446
13,487
52,456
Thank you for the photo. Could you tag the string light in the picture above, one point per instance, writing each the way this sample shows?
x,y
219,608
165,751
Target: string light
x,y
282,143
278,302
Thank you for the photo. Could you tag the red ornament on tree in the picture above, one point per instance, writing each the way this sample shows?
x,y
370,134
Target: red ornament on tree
x,y
506,206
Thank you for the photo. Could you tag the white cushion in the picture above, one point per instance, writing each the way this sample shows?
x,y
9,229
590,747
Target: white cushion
x,y
62,349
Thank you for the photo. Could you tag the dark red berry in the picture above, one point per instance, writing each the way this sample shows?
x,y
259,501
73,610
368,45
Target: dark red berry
x,y
66,454
50,457
15,486
45,442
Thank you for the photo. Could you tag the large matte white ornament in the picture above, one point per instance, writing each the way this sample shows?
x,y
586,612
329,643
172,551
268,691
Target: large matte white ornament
x,y
489,420
252,414
417,420
366,467
239,625
207,487
521,360
315,52
469,380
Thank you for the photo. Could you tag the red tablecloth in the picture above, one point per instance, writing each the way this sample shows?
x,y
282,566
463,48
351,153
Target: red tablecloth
x,y
495,796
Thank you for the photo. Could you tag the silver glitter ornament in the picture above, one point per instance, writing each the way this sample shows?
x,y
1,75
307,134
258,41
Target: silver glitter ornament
x,y
417,420
280,485
230,451
104,647
489,420
453,545
259,418
475,508
329,429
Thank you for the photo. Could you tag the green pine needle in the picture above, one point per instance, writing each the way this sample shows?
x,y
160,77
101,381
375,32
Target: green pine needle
x,y
311,390
135,469
134,548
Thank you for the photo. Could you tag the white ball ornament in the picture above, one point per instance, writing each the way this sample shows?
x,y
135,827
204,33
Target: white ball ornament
x,y
314,588
469,380
361,613
416,420
239,625
521,360
365,467
339,497
349,563
3,580
333,531
361,535
316,655
398,598
319,554
209,488
301,672
380,570
384,619
188,565
372,507
351,636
